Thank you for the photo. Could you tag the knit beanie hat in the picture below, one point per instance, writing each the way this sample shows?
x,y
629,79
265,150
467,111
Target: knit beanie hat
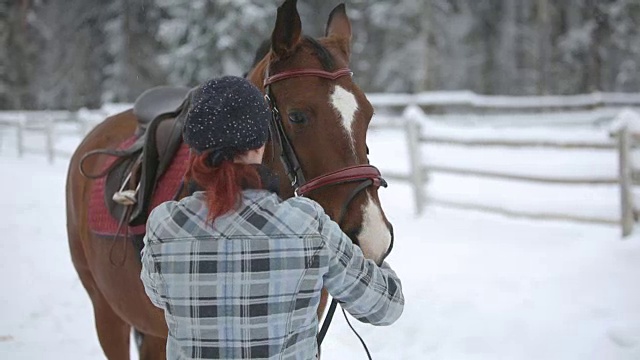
x,y
228,116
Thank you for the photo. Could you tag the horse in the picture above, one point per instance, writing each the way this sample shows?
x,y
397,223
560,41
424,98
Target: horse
x,y
317,148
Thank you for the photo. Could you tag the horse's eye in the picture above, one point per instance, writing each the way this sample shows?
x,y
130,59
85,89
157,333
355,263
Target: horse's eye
x,y
298,117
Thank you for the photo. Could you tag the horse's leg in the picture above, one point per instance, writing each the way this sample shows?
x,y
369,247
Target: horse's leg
x,y
113,332
152,348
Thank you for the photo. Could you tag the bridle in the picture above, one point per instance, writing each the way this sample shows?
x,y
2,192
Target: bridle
x,y
288,157
366,175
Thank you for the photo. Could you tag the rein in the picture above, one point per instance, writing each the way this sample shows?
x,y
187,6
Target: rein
x,y
366,175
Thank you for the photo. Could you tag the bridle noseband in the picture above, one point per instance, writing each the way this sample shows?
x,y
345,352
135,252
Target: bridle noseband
x,y
366,175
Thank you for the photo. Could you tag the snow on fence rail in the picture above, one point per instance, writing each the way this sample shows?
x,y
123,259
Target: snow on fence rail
x,y
468,98
622,136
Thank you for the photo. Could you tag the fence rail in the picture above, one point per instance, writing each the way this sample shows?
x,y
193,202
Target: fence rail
x,y
523,214
516,143
470,99
506,176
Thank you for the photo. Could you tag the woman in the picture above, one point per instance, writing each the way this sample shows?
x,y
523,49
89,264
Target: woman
x,y
237,270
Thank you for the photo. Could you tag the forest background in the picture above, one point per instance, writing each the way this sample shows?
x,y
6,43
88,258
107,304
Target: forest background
x,y
82,53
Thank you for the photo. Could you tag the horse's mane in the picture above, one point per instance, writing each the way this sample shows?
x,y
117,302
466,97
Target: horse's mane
x,y
325,57
262,51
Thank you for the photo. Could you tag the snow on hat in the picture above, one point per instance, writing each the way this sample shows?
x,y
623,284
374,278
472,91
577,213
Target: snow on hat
x,y
229,116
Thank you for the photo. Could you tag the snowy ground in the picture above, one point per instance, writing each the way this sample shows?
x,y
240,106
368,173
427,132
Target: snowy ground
x,y
478,286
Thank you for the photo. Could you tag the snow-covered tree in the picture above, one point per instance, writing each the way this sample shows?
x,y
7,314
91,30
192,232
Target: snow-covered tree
x,y
133,48
68,65
205,38
17,54
67,54
623,70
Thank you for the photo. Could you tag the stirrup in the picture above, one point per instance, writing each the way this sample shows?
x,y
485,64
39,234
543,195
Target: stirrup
x,y
126,197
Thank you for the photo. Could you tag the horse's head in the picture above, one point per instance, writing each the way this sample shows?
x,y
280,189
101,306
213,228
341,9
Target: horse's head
x,y
321,122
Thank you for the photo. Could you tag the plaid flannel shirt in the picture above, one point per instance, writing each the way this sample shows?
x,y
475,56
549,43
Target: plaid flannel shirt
x,y
249,286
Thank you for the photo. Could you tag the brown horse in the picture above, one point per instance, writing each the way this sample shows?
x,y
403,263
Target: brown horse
x,y
322,119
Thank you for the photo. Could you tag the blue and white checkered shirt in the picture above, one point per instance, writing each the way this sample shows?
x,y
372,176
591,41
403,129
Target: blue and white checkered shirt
x,y
249,286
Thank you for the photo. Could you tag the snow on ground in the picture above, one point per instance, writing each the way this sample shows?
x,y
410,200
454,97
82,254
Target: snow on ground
x,y
477,286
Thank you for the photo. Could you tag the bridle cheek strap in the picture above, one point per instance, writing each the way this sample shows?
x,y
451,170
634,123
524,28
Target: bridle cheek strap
x,y
345,175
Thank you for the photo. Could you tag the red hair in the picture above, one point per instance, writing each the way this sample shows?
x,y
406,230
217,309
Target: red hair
x,y
223,183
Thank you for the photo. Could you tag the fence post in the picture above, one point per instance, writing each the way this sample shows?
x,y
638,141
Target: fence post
x,y
626,182
20,135
413,132
49,128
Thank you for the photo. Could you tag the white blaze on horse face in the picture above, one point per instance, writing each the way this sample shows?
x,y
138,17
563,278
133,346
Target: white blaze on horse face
x,y
346,105
375,237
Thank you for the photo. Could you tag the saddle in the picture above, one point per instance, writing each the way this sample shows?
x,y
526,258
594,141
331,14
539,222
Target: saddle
x,y
131,180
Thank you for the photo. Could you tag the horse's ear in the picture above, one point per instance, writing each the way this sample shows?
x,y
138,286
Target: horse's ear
x,y
288,30
339,23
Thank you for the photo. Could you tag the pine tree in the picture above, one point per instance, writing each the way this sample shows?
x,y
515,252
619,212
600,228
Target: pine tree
x,y
133,49
624,65
18,50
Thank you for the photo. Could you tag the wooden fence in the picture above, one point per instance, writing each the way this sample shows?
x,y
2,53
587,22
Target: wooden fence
x,y
623,135
49,124
576,109
595,108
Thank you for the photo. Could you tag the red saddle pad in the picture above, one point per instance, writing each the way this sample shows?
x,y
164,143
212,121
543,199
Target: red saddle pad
x,y
100,220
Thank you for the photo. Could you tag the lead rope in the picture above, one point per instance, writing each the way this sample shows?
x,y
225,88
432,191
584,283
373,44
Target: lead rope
x,y
347,318
358,335
334,303
332,310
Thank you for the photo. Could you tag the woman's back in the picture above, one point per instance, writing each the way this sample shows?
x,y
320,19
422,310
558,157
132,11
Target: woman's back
x,y
247,287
